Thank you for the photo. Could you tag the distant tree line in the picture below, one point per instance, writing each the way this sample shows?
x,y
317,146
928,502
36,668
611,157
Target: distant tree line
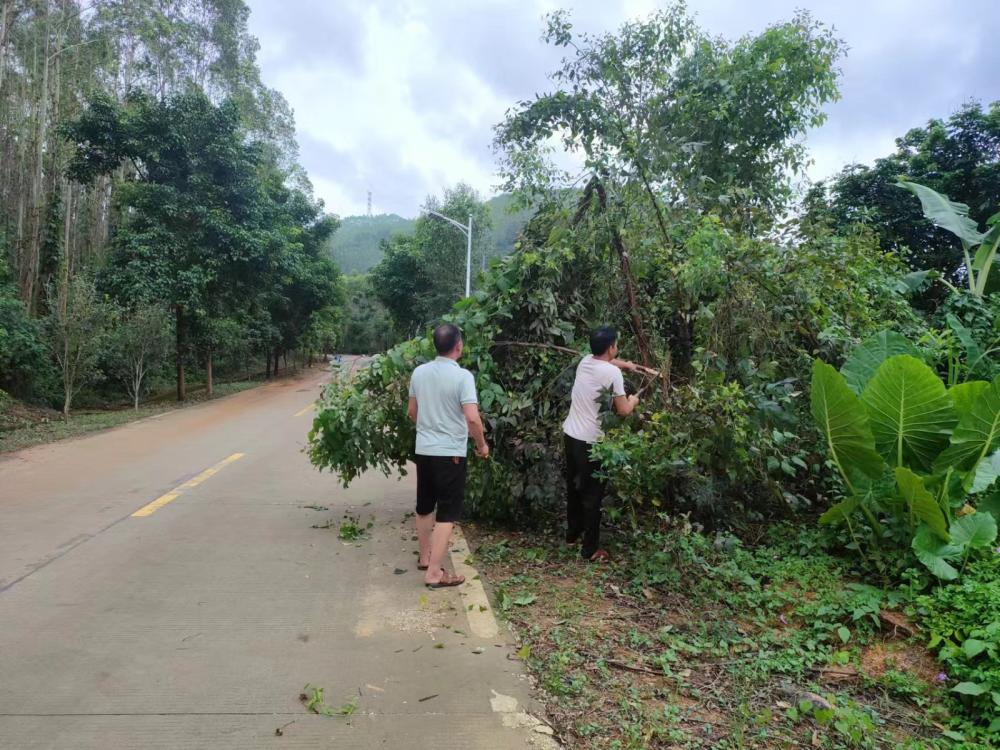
x,y
151,203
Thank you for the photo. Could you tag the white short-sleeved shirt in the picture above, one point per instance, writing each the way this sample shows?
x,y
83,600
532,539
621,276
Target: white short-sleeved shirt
x,y
592,377
441,388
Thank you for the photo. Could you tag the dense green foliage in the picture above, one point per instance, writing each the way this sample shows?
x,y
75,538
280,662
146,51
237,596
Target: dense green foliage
x,y
22,353
963,623
959,156
366,326
910,451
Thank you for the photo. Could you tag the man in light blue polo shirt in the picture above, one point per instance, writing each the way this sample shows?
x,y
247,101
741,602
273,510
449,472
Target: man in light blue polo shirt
x,y
444,405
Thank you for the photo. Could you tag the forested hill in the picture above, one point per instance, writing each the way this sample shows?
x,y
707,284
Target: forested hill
x,y
356,246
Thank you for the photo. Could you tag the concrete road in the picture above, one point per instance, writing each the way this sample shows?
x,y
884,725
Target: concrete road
x,y
163,585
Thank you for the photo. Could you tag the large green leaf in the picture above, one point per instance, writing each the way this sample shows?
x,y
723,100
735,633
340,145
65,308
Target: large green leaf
x,y
920,502
986,474
945,213
934,553
841,511
964,395
990,504
978,432
842,420
984,263
872,352
909,411
976,530
973,352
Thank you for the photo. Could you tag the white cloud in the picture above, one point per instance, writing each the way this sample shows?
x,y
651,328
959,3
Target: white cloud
x,y
400,96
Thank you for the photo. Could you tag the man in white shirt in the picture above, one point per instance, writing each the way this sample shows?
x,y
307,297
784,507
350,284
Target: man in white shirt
x,y
445,408
597,373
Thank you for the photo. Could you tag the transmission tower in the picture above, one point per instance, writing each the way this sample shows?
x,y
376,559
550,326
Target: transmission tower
x,y
369,202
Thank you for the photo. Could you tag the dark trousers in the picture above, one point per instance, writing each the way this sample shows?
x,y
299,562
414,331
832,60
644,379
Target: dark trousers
x,y
584,492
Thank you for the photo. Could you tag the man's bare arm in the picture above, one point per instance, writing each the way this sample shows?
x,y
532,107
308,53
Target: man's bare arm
x,y
624,364
476,430
411,409
625,405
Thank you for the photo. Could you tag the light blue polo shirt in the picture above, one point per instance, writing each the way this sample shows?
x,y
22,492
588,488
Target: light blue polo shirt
x,y
441,388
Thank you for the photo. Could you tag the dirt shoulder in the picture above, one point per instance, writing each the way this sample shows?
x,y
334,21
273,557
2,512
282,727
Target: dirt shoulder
x,y
686,642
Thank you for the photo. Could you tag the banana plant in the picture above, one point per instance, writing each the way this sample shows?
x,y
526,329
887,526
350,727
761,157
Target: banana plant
x,y
954,217
910,448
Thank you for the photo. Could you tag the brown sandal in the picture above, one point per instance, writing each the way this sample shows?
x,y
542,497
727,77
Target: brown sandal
x,y
600,556
446,581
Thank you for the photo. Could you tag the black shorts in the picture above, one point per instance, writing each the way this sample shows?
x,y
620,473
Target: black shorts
x,y
441,484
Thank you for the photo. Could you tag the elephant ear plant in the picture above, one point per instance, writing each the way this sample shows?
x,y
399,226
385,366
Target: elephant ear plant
x,y
954,217
915,457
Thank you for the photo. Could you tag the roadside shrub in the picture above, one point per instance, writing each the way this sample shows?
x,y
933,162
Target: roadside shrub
x,y
22,351
963,623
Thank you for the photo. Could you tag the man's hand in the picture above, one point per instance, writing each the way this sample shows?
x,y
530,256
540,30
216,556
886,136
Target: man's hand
x,y
483,451
625,405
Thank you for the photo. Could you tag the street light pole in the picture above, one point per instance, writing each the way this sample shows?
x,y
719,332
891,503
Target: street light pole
x,y
467,231
468,259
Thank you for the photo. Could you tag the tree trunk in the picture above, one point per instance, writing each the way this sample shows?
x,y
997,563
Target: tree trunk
x,y
33,261
181,346
208,373
277,362
641,339
267,360
66,270
6,10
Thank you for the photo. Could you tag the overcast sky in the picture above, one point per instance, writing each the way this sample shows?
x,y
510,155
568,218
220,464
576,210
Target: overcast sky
x,y
400,96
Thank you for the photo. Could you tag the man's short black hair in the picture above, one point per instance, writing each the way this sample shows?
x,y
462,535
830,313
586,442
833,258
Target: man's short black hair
x,y
601,340
446,338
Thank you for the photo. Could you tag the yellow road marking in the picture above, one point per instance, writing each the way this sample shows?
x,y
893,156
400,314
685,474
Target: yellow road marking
x,y
148,510
300,412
